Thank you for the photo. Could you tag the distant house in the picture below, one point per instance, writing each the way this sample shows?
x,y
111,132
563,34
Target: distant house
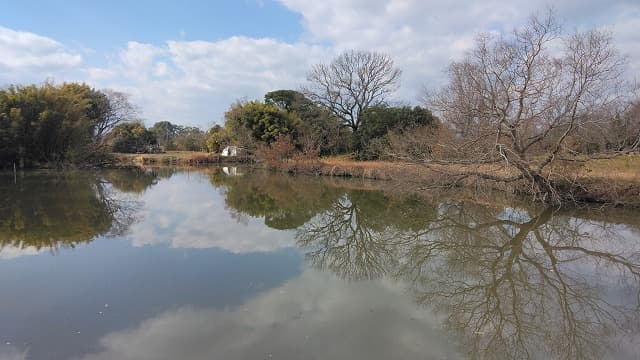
x,y
231,151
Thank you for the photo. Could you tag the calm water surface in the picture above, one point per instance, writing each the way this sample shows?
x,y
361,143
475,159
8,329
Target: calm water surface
x,y
212,264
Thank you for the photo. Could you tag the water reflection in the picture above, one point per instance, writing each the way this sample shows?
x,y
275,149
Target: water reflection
x,y
136,180
50,210
313,316
284,202
512,285
388,275
542,283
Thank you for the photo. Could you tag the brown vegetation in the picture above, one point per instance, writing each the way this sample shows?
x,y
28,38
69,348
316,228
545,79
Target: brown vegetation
x,y
515,104
615,181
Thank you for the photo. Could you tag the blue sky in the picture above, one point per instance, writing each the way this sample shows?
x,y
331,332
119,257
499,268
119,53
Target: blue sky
x,y
105,25
187,61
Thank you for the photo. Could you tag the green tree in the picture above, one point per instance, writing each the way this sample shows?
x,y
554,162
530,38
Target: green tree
x,y
131,138
47,124
318,127
165,133
371,138
190,138
219,137
289,100
260,122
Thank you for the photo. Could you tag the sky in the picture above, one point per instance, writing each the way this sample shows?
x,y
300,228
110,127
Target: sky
x,y
187,61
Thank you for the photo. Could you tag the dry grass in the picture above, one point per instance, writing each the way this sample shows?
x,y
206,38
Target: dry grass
x,y
615,180
623,168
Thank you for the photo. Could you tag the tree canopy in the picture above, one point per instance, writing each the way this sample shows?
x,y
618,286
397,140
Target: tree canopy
x,y
379,120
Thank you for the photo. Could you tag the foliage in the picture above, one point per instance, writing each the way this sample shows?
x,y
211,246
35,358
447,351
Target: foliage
x,y
256,121
132,138
289,100
165,133
318,127
176,137
370,140
219,137
190,138
46,124
54,124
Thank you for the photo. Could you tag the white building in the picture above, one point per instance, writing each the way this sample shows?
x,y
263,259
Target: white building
x,y
230,151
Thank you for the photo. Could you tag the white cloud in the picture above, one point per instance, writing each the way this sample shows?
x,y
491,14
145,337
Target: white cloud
x,y
194,82
197,219
12,252
313,316
425,36
24,53
10,352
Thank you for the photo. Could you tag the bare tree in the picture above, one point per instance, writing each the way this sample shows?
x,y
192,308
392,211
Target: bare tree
x,y
624,133
113,108
351,83
515,101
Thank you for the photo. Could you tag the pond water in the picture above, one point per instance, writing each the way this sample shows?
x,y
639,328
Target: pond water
x,y
234,264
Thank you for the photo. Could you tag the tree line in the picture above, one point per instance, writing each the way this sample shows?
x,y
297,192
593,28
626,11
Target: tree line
x,y
72,123
291,117
135,137
64,123
512,109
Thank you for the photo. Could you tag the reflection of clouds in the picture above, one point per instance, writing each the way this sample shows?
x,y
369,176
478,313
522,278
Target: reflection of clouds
x,y
313,316
187,212
592,250
9,352
12,252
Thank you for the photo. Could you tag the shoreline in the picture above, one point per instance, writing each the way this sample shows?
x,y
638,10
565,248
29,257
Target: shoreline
x,y
613,182
598,182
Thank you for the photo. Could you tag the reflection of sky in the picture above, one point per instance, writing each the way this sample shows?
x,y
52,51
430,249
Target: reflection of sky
x,y
54,306
188,212
11,252
191,281
314,316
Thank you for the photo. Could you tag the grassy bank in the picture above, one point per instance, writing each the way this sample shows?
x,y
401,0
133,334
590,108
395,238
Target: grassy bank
x,y
615,181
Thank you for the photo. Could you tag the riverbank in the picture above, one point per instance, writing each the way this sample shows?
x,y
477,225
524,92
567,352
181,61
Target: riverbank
x,y
612,181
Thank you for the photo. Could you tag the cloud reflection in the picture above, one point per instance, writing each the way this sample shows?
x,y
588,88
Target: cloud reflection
x,y
196,219
314,316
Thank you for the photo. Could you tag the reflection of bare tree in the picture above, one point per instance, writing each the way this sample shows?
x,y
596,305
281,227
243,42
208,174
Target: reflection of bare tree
x,y
342,242
510,284
363,234
119,207
524,288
